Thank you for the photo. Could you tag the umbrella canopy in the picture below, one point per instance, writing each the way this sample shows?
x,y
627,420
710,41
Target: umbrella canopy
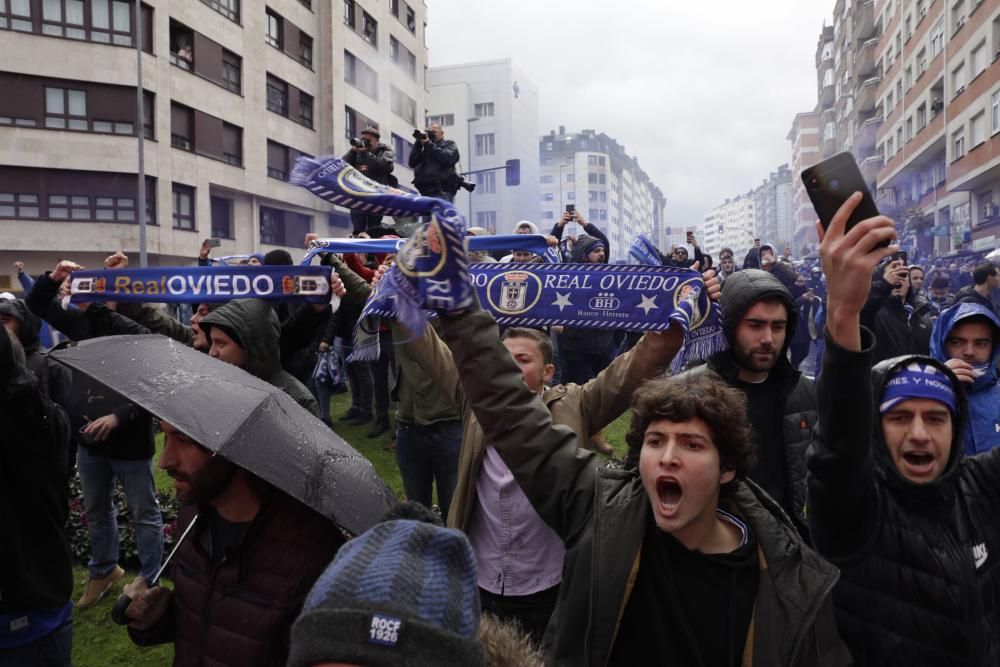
x,y
241,418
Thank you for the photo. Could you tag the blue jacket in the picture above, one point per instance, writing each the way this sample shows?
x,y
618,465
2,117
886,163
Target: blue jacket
x,y
982,432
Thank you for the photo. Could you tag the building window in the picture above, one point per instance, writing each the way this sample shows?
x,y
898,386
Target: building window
x,y
444,119
360,75
403,105
487,220
485,144
72,207
232,144
547,178
571,177
65,109
183,207
394,8
401,149
306,50
592,195
957,144
921,117
921,62
272,226
977,129
16,17
181,126
547,196
148,115
228,8
277,160
369,29
937,38
181,45
979,59
232,71
307,4
114,209
909,128
411,20
908,77
18,205
486,183
274,34
222,217
958,79
63,18
112,127
349,13
484,109
306,109
277,95
995,111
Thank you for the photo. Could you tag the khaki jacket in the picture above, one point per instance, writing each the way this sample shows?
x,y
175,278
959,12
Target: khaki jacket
x,y
585,409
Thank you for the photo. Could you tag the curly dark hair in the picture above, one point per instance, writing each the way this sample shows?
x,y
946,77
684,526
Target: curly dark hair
x,y
707,397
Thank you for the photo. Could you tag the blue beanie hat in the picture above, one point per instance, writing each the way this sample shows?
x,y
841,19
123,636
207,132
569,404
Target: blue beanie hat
x,y
918,380
404,592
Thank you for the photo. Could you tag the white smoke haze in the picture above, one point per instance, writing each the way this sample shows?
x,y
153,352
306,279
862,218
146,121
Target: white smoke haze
x,y
703,94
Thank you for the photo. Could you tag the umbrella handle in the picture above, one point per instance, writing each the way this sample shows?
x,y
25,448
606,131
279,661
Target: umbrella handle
x,y
118,611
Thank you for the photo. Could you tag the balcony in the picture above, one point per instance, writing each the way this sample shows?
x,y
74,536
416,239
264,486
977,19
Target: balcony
x,y
865,62
867,132
829,115
870,167
827,95
864,20
829,147
865,101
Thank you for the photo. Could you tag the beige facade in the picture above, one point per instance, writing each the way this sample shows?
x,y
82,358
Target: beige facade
x,y
805,139
237,89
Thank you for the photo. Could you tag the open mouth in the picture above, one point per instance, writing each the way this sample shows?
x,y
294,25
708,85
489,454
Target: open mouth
x,y
670,493
919,460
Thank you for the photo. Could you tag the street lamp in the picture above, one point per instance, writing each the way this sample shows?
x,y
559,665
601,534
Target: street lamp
x,y
469,121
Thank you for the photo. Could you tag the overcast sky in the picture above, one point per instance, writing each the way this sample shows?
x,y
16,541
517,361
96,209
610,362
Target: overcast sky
x,y
702,93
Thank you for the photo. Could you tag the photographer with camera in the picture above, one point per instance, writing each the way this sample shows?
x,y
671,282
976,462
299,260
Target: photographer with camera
x,y
375,160
433,160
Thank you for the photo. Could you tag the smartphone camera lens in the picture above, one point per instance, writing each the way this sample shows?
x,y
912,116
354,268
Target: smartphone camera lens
x,y
834,184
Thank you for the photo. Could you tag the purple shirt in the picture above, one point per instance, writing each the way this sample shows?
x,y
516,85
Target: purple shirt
x,y
517,552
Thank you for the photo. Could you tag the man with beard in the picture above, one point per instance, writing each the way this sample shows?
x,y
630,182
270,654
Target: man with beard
x,y
241,576
760,318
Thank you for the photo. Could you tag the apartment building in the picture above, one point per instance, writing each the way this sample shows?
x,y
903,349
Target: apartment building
x,y
490,110
733,225
940,135
234,91
915,97
773,208
592,171
805,139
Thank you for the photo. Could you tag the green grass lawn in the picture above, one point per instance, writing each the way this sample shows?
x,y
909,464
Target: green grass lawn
x,y
97,642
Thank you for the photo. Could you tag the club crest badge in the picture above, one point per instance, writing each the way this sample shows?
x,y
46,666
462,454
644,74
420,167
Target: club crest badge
x,y
690,292
514,292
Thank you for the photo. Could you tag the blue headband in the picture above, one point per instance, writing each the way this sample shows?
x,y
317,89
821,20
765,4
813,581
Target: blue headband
x,y
918,380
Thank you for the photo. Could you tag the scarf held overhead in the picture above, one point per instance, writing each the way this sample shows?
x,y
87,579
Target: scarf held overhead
x,y
204,284
536,243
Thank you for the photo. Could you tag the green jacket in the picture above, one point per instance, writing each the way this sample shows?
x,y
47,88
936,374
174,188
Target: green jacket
x,y
585,409
256,329
601,514
419,394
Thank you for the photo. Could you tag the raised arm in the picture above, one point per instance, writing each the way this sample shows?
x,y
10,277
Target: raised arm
x,y
843,503
556,477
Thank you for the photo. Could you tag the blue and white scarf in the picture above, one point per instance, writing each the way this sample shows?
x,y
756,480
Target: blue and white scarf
x,y
203,284
432,274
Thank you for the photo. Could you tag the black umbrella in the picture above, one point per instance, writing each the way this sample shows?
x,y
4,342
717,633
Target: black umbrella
x,y
242,418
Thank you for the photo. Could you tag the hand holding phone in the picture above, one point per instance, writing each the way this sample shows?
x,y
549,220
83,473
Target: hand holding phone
x,y
213,243
831,182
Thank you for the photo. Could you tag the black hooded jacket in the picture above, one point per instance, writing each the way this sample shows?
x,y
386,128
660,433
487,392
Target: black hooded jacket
x,y
920,563
587,341
796,405
35,566
896,331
